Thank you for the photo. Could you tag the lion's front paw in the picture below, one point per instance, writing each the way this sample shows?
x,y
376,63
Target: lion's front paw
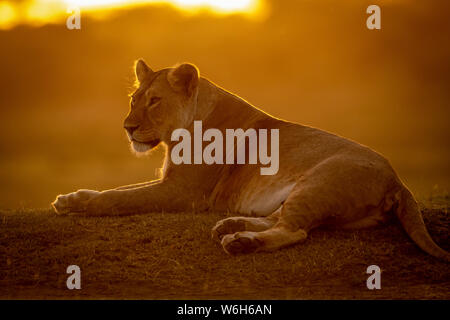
x,y
73,202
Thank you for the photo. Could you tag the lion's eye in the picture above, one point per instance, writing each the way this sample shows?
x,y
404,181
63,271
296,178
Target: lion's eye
x,y
154,100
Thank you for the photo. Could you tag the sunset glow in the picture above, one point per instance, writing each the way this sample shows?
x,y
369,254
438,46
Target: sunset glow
x,y
38,12
7,15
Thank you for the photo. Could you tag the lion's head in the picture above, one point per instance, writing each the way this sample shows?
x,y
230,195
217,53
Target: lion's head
x,y
164,101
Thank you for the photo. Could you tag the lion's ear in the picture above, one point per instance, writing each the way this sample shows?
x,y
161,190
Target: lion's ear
x,y
184,78
141,70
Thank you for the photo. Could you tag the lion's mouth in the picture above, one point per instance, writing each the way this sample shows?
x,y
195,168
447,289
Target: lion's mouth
x,y
151,143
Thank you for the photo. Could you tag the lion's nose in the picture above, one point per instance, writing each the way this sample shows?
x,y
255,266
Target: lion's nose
x,y
130,129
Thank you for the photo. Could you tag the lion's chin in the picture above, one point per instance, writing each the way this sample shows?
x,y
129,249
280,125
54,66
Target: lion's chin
x,y
140,147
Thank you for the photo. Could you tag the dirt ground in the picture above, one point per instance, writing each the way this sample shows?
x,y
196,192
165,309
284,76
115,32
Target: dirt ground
x,y
171,256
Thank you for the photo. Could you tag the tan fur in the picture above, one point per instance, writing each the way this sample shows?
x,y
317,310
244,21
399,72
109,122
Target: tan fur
x,y
323,179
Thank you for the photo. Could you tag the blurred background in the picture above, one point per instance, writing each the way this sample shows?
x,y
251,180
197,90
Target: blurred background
x,y
63,93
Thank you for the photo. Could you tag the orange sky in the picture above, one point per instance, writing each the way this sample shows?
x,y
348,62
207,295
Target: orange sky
x,y
38,12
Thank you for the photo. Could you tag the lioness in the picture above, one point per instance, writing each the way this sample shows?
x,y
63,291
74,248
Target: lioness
x,y
323,179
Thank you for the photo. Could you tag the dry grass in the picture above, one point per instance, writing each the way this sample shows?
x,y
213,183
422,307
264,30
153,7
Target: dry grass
x,y
171,256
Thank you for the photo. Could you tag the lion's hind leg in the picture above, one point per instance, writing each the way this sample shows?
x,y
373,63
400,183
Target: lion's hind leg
x,y
291,228
268,240
304,209
335,192
236,224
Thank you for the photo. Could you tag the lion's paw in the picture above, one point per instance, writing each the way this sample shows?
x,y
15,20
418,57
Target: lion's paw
x,y
227,226
73,202
241,243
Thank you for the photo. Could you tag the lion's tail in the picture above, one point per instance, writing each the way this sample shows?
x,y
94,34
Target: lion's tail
x,y
411,218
